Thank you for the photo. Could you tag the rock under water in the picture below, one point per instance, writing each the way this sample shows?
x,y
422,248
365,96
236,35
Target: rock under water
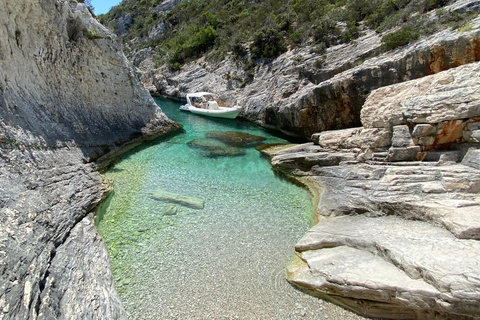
x,y
236,138
215,148
190,202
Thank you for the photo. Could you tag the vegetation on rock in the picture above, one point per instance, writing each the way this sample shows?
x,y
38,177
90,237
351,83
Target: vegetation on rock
x,y
265,29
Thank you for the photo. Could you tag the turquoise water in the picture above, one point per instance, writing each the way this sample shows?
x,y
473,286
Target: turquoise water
x,y
225,261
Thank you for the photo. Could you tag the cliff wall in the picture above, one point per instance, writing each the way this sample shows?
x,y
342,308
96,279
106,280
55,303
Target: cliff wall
x,y
399,202
302,92
68,96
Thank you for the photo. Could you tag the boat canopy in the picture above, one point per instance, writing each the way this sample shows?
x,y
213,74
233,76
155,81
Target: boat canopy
x,y
199,94
199,98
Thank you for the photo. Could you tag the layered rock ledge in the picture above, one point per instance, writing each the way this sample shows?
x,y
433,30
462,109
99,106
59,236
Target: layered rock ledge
x,y
399,203
68,96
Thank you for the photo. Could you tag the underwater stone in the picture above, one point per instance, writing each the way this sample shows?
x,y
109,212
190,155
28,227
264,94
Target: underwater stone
x,y
236,138
190,202
170,210
215,148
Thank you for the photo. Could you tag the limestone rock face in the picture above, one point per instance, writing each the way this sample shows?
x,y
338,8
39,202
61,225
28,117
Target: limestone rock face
x,y
399,203
302,92
67,97
64,81
410,275
428,101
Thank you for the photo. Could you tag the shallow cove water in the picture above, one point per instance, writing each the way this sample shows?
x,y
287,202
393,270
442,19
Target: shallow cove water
x,y
172,260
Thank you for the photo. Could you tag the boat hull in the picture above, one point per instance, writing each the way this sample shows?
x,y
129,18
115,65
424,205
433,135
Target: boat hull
x,y
226,113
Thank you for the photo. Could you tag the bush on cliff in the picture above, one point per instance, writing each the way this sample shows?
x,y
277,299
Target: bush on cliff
x,y
262,28
399,38
267,43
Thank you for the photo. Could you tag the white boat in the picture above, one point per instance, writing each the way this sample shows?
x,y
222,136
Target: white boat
x,y
204,103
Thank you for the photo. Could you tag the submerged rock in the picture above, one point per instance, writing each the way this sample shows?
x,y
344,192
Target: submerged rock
x,y
190,202
170,210
216,148
236,138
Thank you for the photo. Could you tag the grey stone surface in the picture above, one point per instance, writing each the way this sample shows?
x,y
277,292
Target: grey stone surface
x,y
397,237
190,202
61,88
401,137
407,205
66,99
397,263
69,290
403,154
472,158
451,95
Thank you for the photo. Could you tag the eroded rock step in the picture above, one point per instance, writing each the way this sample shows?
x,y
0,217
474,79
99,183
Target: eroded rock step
x,y
390,267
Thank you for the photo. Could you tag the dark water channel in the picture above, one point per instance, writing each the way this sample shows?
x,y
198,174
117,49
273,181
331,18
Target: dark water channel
x,y
172,260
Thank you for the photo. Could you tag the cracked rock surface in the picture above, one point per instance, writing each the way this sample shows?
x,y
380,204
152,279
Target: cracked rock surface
x,y
398,203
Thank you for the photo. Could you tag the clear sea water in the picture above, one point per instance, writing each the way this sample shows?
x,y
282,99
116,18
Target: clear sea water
x,y
225,261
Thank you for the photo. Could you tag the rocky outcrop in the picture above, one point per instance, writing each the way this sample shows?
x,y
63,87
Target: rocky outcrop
x,y
68,97
303,92
399,203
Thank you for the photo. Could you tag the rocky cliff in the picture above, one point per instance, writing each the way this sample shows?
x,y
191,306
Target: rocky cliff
x,y
302,92
397,185
68,96
399,202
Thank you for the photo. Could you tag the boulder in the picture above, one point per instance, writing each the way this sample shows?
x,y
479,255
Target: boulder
x,y
403,154
236,138
447,98
471,132
190,202
215,148
401,137
353,138
472,158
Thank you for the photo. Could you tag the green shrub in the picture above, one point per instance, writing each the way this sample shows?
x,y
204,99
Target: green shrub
x,y
318,63
196,27
238,50
325,31
399,38
433,4
319,48
200,41
92,34
298,36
